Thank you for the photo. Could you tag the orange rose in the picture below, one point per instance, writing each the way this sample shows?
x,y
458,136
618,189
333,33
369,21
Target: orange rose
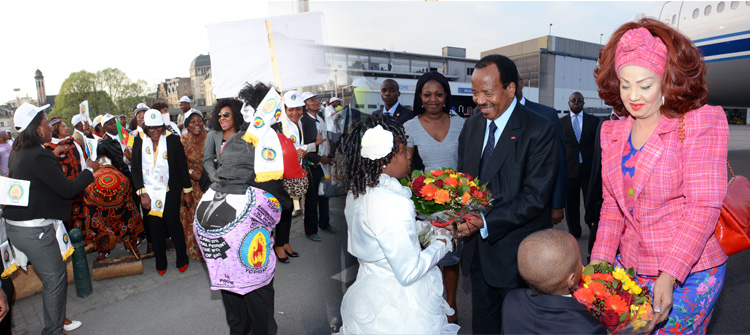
x,y
428,192
584,296
465,198
451,181
437,173
442,196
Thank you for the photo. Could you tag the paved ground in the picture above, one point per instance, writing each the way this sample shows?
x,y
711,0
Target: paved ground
x,y
308,290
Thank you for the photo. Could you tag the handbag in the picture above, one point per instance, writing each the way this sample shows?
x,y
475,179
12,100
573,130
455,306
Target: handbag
x,y
733,227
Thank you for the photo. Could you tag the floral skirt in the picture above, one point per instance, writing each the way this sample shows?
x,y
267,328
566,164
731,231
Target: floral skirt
x,y
693,301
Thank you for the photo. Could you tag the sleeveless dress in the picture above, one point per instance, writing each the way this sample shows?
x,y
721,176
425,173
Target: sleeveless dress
x,y
398,290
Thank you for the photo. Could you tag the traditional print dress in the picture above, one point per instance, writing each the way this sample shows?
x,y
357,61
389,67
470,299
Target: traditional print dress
x,y
194,152
71,162
113,216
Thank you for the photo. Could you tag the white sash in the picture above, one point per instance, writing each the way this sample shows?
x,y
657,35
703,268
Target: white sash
x,y
155,173
13,258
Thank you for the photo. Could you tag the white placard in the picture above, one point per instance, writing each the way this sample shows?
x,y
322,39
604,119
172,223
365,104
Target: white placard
x,y
240,53
84,110
14,192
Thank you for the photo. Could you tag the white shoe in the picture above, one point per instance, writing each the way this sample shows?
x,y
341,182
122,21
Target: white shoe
x,y
74,324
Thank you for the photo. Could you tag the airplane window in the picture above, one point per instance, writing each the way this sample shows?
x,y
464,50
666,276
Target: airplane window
x,y
720,7
674,19
696,12
734,4
707,12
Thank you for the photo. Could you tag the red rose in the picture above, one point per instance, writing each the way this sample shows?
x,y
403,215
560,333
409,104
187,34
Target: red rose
x,y
417,185
438,183
626,297
610,319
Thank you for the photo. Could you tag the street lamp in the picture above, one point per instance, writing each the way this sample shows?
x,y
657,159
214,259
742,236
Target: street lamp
x,y
550,29
600,38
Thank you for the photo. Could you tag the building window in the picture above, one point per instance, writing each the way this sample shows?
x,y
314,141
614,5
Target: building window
x,y
720,7
2,124
469,71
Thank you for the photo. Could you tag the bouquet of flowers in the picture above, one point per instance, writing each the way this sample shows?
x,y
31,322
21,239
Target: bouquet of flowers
x,y
444,197
613,297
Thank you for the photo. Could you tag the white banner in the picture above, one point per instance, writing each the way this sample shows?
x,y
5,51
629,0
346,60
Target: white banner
x,y
240,53
14,192
84,109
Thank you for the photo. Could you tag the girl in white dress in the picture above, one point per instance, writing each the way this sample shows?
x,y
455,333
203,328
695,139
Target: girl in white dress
x,y
398,289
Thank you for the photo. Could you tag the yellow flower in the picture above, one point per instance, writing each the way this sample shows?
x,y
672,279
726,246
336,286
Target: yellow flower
x,y
428,181
472,183
636,290
453,175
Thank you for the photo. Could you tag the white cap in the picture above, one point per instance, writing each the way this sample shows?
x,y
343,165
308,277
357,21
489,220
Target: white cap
x,y
97,120
190,113
141,107
25,114
293,99
333,99
307,95
105,118
184,99
78,118
152,118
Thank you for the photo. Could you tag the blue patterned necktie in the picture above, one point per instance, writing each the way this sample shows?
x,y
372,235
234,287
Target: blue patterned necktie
x,y
488,148
577,130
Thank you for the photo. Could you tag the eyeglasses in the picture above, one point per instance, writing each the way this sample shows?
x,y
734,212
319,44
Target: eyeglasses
x,y
576,100
224,115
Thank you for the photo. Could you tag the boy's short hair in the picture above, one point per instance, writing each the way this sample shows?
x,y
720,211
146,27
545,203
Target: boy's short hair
x,y
546,258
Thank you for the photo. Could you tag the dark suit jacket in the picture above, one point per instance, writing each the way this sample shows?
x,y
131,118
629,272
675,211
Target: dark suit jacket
x,y
521,182
561,184
309,135
114,152
546,314
179,178
586,146
402,113
594,201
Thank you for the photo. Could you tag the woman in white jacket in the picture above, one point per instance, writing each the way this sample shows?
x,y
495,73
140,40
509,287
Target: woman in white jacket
x,y
398,288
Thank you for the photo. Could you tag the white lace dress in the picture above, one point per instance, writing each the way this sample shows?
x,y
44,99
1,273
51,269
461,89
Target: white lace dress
x,y
398,290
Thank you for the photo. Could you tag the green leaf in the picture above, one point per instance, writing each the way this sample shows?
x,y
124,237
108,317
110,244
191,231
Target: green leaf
x,y
404,182
416,173
630,272
588,270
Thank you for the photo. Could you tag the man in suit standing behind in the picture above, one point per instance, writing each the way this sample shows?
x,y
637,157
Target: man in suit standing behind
x,y
579,133
512,149
561,183
390,92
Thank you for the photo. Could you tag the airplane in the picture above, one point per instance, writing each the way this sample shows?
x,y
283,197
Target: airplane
x,y
721,30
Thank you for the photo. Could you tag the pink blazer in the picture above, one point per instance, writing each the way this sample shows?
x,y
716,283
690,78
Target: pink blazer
x,y
678,192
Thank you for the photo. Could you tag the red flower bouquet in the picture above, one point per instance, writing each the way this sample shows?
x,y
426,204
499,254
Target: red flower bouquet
x,y
446,196
613,296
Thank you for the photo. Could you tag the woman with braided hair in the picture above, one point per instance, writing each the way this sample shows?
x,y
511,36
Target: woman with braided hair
x,y
398,288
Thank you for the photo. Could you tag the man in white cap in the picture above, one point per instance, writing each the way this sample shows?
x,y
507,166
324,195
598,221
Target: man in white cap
x,y
116,151
79,124
316,207
331,111
185,107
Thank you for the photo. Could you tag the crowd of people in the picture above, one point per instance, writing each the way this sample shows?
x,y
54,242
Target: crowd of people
x,y
226,194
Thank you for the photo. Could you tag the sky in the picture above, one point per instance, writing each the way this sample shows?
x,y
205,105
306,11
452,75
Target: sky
x,y
156,40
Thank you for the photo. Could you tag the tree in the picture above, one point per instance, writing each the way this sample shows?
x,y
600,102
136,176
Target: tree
x,y
80,86
108,91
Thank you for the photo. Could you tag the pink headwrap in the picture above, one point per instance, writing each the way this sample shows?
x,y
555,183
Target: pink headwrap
x,y
639,47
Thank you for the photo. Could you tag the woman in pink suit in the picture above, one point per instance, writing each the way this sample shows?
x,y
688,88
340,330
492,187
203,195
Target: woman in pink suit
x,y
662,195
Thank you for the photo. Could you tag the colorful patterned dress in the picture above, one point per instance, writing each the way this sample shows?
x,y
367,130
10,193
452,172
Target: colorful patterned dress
x,y
194,152
109,206
693,300
70,162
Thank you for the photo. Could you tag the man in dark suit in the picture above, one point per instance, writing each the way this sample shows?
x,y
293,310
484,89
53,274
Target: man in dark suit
x,y
111,143
579,133
561,183
511,149
390,92
316,207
